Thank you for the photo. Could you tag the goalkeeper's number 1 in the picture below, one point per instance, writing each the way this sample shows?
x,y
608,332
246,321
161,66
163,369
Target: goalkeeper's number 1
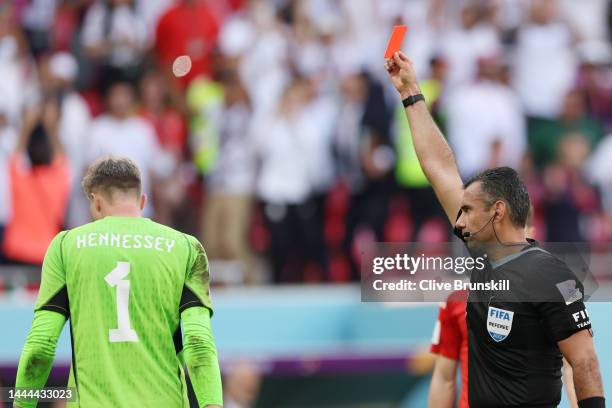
x,y
116,278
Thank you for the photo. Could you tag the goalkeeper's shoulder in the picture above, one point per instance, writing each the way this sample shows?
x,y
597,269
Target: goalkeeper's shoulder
x,y
55,246
194,243
182,238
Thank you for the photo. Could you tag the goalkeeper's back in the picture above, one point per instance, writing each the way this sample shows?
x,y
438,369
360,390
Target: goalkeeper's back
x,y
124,283
126,279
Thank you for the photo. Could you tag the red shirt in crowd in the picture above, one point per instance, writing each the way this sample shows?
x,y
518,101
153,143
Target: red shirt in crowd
x,y
39,199
188,28
170,129
450,337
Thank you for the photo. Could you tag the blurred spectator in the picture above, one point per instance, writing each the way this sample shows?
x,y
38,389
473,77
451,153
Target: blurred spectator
x,y
151,12
487,134
462,46
58,74
18,85
569,196
156,108
545,134
40,184
187,28
363,144
285,187
347,141
171,132
8,139
204,97
596,81
68,17
227,207
307,49
544,41
600,171
258,41
242,384
121,132
586,19
114,38
37,20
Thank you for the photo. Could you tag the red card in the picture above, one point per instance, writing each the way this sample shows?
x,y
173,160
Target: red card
x,y
396,40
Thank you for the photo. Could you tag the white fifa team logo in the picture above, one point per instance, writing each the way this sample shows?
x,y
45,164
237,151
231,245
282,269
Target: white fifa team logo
x,y
499,323
581,318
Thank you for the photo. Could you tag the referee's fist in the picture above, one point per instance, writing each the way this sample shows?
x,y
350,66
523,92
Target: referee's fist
x,y
402,74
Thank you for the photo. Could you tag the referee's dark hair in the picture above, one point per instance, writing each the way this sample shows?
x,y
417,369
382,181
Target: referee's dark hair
x,y
504,183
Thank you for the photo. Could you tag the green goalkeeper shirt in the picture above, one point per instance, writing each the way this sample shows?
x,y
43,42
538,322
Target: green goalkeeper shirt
x,y
125,283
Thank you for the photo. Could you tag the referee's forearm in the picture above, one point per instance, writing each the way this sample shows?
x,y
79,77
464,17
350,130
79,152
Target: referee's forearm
x,y
587,378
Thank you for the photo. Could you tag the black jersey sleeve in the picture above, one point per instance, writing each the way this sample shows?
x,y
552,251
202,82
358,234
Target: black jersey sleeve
x,y
559,298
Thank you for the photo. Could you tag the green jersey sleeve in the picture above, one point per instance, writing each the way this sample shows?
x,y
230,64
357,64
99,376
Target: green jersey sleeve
x,y
38,354
196,291
201,356
53,294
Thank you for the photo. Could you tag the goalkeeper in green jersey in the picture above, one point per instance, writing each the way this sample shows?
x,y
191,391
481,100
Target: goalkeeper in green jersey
x,y
126,284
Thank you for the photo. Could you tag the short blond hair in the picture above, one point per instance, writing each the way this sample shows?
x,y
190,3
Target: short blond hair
x,y
112,174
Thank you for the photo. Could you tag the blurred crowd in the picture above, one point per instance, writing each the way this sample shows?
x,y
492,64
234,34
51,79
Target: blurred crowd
x,y
268,128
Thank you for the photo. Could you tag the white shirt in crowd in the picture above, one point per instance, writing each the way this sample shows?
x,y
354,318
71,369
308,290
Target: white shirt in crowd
x,y
295,153
75,121
479,115
133,138
234,171
8,138
258,39
321,115
151,11
545,68
462,48
39,14
588,17
127,32
284,170
347,143
266,60
18,81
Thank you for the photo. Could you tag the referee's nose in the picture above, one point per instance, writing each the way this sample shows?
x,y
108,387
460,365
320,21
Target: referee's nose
x,y
460,224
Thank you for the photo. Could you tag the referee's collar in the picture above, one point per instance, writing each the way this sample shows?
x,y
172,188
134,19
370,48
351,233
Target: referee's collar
x,y
532,245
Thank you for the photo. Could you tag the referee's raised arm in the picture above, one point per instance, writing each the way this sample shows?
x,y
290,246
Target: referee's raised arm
x,y
434,153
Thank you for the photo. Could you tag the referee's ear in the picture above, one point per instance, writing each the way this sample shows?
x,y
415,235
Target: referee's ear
x,y
500,210
143,201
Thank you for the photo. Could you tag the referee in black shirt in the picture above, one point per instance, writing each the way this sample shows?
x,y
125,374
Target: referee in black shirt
x,y
516,339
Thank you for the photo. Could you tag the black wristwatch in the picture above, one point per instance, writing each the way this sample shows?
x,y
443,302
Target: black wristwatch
x,y
412,99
